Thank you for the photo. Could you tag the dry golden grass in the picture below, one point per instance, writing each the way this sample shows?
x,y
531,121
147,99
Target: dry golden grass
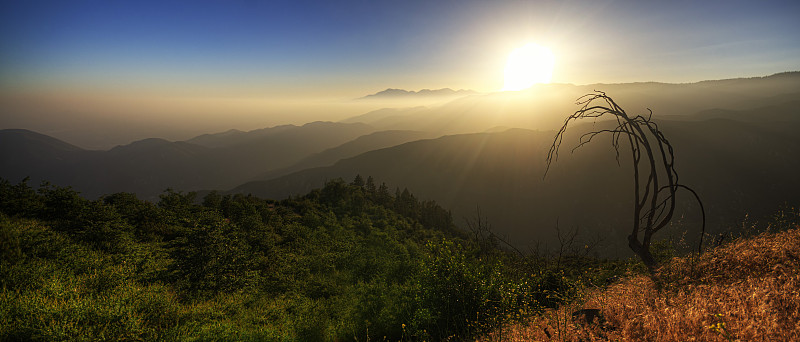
x,y
748,290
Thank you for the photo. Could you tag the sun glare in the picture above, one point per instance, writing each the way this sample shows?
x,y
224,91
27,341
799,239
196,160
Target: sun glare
x,y
528,65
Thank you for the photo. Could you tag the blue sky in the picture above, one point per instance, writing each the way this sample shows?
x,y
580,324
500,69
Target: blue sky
x,y
257,43
263,46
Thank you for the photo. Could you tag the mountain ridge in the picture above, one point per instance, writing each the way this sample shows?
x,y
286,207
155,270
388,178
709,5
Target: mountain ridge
x,y
399,93
501,173
148,166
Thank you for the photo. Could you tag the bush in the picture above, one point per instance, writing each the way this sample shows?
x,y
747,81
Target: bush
x,y
458,295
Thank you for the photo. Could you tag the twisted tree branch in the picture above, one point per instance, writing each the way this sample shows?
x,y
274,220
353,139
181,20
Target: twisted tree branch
x,y
654,203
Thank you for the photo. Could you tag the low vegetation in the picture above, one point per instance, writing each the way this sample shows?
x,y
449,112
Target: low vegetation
x,y
350,261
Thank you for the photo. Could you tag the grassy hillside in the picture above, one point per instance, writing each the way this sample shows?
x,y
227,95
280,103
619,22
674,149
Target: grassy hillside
x,y
746,290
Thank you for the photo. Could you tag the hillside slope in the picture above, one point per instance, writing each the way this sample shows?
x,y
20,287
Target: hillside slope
x,y
344,262
748,290
737,168
364,143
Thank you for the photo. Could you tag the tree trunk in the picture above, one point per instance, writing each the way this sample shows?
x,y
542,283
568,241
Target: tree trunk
x,y
643,253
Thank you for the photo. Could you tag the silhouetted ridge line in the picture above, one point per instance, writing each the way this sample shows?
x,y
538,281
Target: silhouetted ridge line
x,y
395,93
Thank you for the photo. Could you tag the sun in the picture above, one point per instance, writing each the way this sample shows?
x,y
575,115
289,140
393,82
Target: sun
x,y
528,65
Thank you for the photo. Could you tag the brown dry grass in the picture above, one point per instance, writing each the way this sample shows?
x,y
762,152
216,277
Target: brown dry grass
x,y
748,290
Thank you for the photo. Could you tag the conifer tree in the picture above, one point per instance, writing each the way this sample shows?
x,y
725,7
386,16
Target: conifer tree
x,y
358,181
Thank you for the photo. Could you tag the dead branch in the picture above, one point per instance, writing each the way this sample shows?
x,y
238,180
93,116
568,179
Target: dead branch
x,y
655,181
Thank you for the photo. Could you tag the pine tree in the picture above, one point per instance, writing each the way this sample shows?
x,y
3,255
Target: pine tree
x,y
358,181
370,186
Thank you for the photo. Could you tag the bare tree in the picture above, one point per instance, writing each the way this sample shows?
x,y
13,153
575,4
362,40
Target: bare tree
x,y
655,181
481,231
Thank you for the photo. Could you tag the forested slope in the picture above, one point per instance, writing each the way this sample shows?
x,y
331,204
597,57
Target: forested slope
x,y
348,261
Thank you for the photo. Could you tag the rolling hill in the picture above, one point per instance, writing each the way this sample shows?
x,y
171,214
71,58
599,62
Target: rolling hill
x,y
364,143
148,167
737,168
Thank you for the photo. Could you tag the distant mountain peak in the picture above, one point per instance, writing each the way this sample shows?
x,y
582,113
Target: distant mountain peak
x,y
399,93
144,143
15,137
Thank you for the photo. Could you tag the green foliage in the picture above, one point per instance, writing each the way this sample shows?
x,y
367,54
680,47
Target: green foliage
x,y
459,294
19,200
212,257
348,261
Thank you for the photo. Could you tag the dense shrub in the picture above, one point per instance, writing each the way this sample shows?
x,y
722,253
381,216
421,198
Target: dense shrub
x,y
348,261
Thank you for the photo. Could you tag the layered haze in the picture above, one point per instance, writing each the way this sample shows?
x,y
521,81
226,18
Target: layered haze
x,y
735,143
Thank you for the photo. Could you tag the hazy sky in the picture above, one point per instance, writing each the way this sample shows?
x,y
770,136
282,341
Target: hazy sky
x,y
258,58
